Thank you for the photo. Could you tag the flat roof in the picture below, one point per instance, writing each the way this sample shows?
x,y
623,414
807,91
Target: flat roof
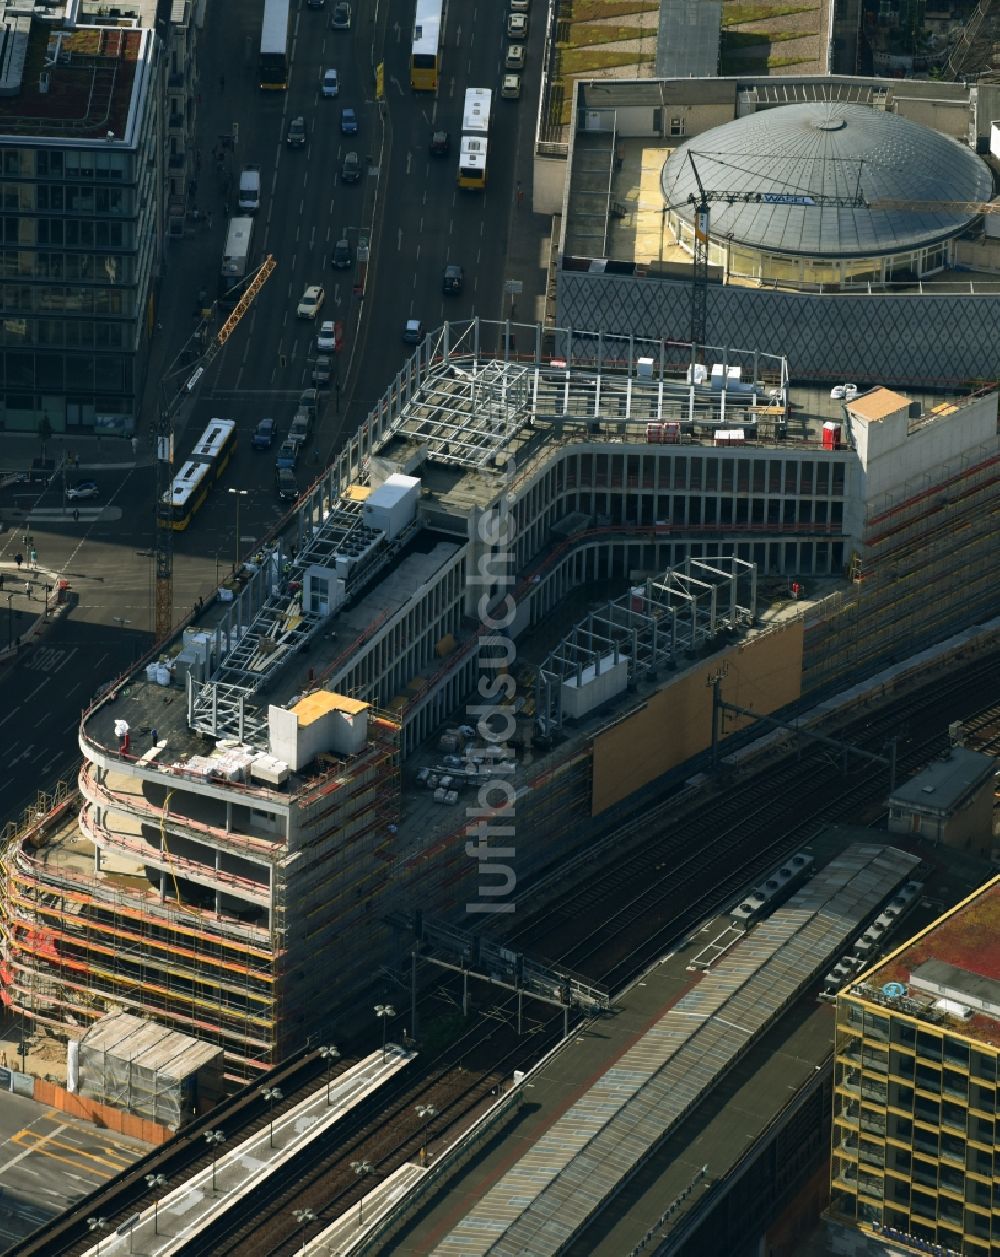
x,y
967,938
688,38
946,782
148,1045
75,84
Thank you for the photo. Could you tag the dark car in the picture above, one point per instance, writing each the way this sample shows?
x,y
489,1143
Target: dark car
x,y
288,455
348,121
342,255
300,429
82,492
440,145
340,18
296,137
264,434
454,278
322,369
350,171
309,400
288,490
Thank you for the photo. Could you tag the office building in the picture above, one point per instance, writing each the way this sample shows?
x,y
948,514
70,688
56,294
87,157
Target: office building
x,y
82,146
914,1164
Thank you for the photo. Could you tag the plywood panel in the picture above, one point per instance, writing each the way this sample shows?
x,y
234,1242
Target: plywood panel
x,y
763,674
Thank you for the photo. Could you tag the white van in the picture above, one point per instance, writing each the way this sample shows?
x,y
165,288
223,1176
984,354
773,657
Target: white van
x,y
250,189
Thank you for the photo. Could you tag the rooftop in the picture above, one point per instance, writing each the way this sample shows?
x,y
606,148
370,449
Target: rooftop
x,y
878,404
946,782
150,1046
70,84
967,939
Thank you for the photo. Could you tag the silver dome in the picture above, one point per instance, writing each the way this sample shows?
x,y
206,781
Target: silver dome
x,y
827,149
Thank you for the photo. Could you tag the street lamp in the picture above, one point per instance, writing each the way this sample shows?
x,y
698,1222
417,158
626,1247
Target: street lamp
x,y
303,1216
361,1168
329,1054
98,1225
213,1138
383,1012
240,493
154,1182
425,1112
271,1094
10,621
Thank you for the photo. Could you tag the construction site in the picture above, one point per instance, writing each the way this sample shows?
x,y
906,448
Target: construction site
x,y
506,597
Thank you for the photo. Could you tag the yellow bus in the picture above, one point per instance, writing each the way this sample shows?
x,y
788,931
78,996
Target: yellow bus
x,y
191,485
474,148
428,38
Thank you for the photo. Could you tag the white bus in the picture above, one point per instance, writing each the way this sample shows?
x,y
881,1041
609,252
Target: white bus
x,y
425,51
474,149
274,46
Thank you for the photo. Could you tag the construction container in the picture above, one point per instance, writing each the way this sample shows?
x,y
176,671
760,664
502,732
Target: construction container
x,y
393,505
143,1068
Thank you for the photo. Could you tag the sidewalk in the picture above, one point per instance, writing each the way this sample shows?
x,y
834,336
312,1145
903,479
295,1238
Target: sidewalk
x,y
31,597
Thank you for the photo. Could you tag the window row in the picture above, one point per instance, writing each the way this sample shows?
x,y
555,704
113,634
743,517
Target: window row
x,y
55,373
30,198
708,472
106,268
74,233
705,512
34,163
24,299
66,333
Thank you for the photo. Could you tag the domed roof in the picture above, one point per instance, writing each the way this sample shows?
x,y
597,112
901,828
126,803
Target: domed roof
x,y
827,149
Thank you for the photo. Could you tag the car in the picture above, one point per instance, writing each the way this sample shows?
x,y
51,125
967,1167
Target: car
x,y
318,4
514,59
322,369
520,6
517,25
300,429
82,492
296,137
453,279
440,145
311,302
288,490
348,121
844,392
327,338
413,331
264,434
350,171
342,254
510,87
340,18
331,83
288,455
309,402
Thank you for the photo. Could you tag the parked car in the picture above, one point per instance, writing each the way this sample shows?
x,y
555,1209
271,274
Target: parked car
x,y
348,121
331,83
309,401
314,4
510,87
520,6
326,337
288,455
413,331
311,302
454,277
440,145
350,171
342,254
264,434
300,429
340,18
517,25
288,490
296,137
82,492
514,59
322,369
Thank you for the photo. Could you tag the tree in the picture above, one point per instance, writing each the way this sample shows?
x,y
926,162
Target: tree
x,y
44,433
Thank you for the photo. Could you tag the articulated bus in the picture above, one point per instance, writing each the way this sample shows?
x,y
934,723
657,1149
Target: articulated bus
x,y
274,46
475,138
208,461
428,38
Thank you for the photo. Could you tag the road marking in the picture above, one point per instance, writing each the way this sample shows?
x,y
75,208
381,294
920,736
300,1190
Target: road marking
x,y
28,1151
409,162
399,238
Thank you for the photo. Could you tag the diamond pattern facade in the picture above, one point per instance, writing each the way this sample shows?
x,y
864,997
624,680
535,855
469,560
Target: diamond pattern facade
x,y
914,339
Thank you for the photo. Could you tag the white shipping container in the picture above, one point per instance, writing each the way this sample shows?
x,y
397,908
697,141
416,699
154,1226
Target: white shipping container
x,y
393,505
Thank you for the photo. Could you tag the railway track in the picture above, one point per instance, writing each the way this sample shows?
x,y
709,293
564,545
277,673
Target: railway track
x,y
647,902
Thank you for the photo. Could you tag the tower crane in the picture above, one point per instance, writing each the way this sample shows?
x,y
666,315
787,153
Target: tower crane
x,y
165,449
699,281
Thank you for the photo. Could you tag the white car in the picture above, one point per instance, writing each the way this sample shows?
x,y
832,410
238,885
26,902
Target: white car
x,y
311,302
517,25
326,341
331,83
510,88
844,392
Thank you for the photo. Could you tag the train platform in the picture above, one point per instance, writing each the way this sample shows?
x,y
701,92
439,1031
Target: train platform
x,y
172,1221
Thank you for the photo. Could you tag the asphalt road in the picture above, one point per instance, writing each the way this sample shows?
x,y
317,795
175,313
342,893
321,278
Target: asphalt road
x,y
48,1160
